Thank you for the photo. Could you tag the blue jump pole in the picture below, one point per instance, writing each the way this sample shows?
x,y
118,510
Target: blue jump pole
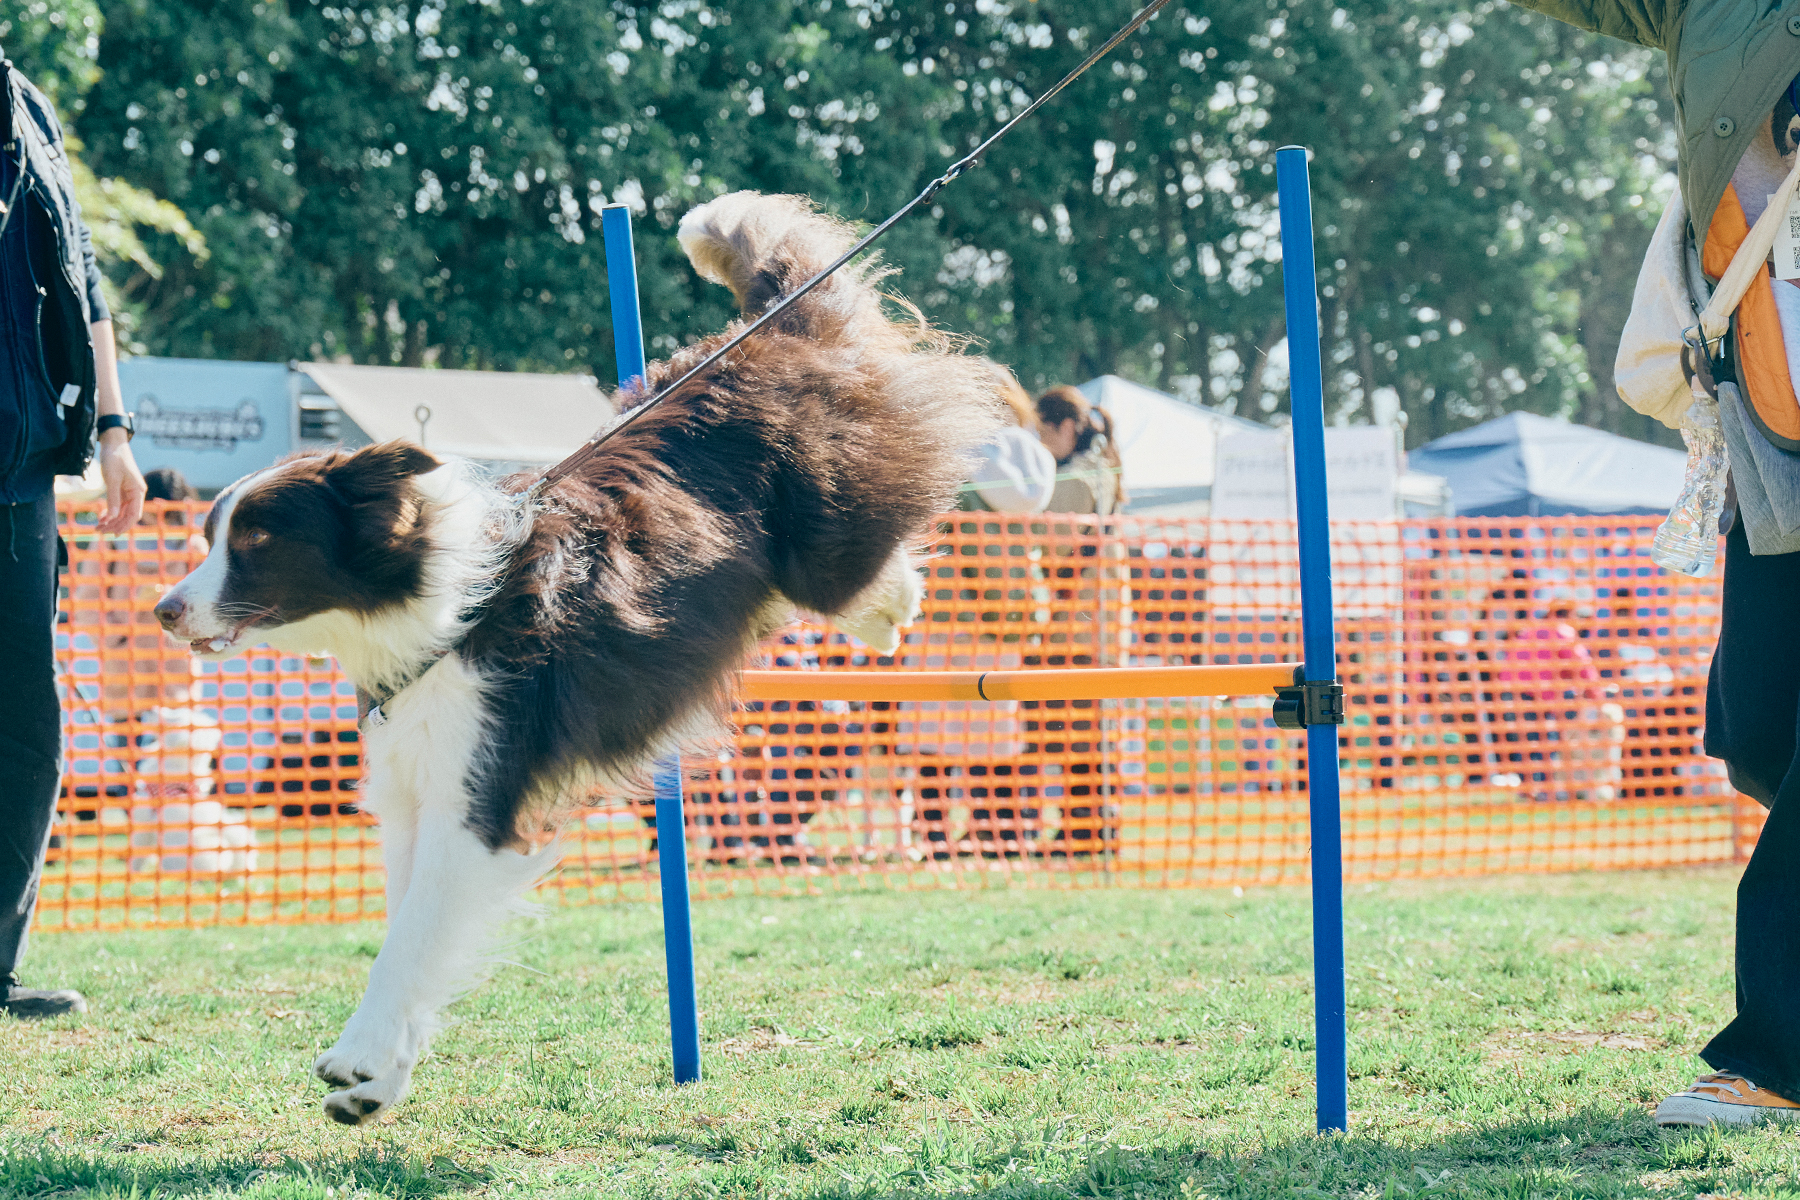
x,y
1299,284
671,827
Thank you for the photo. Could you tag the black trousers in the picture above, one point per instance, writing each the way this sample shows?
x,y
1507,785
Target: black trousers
x,y
30,717
1752,703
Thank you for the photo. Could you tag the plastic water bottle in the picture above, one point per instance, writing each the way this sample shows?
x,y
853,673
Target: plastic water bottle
x,y
1688,540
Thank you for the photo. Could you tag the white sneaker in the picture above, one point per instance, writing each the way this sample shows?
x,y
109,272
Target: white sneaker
x,y
1725,1099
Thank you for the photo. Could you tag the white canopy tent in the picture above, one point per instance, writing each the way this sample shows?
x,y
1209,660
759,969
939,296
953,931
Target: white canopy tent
x,y
496,417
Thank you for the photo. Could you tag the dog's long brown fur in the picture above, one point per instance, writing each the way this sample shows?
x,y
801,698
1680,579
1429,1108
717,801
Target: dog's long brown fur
x,y
791,472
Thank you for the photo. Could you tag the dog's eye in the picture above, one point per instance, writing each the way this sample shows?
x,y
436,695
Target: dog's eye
x,y
256,537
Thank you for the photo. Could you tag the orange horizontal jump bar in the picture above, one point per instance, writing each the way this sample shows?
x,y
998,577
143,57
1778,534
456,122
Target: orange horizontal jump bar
x,y
1103,683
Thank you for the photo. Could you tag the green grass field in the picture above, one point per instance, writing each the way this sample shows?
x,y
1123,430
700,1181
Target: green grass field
x,y
1508,1038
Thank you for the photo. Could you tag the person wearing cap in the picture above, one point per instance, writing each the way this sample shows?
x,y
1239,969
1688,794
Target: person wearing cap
x,y
1733,67
59,398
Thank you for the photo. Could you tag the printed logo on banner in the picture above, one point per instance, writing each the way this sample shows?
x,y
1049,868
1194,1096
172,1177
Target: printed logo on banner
x,y
1253,477
1362,469
1250,480
198,428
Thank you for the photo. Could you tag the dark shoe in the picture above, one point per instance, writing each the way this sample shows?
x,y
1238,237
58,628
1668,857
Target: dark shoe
x,y
32,1004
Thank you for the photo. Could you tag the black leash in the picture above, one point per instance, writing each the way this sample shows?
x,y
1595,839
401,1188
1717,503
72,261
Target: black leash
x,y
588,449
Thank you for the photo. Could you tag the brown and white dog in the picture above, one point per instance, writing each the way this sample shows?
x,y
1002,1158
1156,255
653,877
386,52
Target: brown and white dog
x,y
597,628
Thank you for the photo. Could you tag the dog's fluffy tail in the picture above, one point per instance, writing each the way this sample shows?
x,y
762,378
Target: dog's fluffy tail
x,y
762,247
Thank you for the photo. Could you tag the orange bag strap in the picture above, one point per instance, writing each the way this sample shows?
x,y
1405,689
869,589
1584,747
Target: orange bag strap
x,y
1762,363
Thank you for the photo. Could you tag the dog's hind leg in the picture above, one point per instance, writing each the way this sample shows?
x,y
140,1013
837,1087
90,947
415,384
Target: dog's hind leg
x,y
878,613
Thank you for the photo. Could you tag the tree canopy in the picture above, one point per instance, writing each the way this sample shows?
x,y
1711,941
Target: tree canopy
x,y
420,182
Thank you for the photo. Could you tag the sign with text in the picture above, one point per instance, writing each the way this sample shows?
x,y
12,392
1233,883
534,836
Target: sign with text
x,y
1362,472
213,421
1253,478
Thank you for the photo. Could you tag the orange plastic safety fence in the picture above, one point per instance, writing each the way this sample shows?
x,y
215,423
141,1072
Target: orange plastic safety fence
x,y
194,793
1523,695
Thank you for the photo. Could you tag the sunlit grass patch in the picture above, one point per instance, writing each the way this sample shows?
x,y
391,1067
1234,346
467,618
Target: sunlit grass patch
x,y
1508,1039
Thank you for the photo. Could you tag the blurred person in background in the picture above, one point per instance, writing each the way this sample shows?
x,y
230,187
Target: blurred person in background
x,y
168,483
1015,472
1089,475
1089,479
59,399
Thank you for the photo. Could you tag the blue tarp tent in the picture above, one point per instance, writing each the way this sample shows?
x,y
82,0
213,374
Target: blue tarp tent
x,y
1523,465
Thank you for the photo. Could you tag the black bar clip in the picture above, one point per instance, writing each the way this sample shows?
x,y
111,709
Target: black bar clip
x,y
1317,702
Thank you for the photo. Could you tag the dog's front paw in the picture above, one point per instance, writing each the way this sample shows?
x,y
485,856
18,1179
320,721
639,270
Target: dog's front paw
x,y
364,1103
876,630
370,1082
895,606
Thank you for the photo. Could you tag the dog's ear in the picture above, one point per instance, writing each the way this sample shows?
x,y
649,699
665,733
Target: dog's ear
x,y
376,472
384,520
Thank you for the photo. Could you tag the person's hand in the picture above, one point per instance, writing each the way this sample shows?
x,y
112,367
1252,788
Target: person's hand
x,y
124,483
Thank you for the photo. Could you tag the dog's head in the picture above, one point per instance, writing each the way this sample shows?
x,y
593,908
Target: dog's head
x,y
314,534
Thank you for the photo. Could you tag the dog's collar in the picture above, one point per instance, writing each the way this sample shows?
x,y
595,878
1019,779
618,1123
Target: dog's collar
x,y
371,703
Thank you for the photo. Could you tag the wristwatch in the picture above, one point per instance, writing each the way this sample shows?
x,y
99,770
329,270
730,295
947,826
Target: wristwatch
x,y
127,422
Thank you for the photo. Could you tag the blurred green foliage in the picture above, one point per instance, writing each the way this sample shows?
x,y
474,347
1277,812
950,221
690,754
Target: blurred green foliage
x,y
55,43
419,182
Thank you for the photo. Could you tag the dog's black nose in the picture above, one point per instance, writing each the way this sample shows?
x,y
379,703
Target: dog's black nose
x,y
169,610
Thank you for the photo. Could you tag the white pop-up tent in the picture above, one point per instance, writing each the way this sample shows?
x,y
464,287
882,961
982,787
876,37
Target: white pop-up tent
x,y
498,417
217,421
